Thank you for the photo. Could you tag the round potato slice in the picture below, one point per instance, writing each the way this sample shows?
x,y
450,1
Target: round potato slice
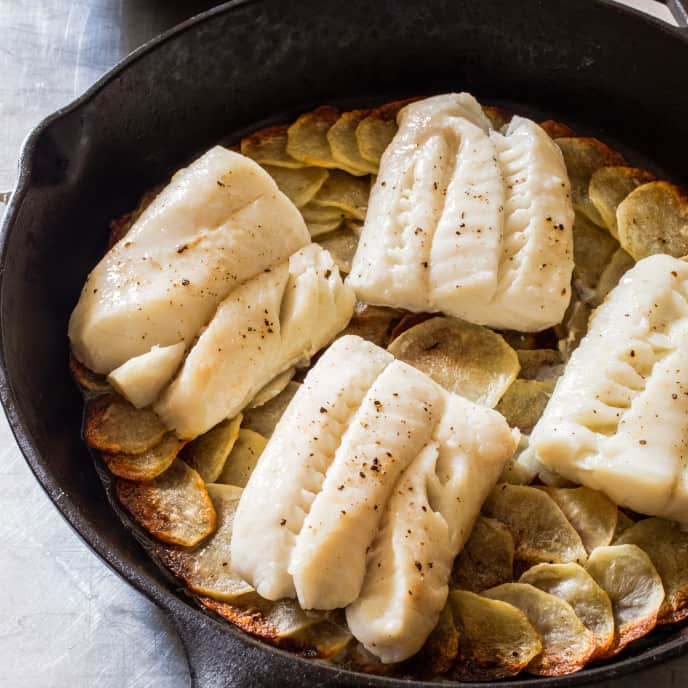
x,y
496,638
208,452
243,459
541,532
342,245
374,323
576,586
342,139
556,130
346,193
269,147
114,425
654,219
524,402
299,184
272,389
174,508
591,513
264,418
470,360
634,587
487,558
623,523
147,465
322,219
441,648
376,131
617,267
540,364
609,186
567,645
667,546
88,381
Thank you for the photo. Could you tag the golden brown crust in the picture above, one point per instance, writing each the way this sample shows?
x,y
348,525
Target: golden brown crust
x,y
147,465
556,129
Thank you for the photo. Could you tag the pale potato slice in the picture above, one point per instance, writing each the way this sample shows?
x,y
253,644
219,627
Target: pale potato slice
x,y
654,219
567,645
609,186
269,147
272,389
574,327
316,229
634,587
147,465
376,131
618,265
243,458
540,364
174,508
576,586
114,425
208,452
582,157
540,530
299,184
374,323
322,219
88,381
556,129
524,402
496,638
591,513
487,558
667,546
342,139
346,193
341,245
523,467
441,648
264,418
468,359
623,523
499,117
408,321
207,569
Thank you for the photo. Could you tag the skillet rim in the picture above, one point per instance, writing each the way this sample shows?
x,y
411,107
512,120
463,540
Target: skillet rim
x,y
180,607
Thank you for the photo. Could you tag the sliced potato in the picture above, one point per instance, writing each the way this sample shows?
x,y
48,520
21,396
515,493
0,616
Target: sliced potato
x,y
322,219
147,465
374,323
362,660
207,569
342,139
591,513
567,645
408,321
540,530
499,117
342,245
441,648
269,147
346,193
496,638
114,425
376,131
272,389
540,364
523,467
88,381
667,546
556,129
243,458
487,558
316,229
630,579
609,186
623,523
576,586
174,508
470,360
582,157
574,327
264,418
208,452
524,402
654,219
618,265
299,184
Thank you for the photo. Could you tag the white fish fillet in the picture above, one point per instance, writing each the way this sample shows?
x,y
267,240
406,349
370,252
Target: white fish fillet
x,y
272,322
618,418
468,221
219,222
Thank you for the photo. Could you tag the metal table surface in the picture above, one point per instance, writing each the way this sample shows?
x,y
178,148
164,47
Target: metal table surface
x,y
66,620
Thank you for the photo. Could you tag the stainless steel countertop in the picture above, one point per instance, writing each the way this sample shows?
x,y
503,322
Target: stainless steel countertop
x,y
66,620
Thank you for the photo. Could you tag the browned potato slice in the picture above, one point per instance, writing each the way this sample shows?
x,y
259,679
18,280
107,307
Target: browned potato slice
x,y
524,402
374,323
496,638
618,265
441,648
487,558
342,139
114,425
540,530
540,364
654,219
272,389
591,513
345,193
630,579
470,360
174,508
208,452
574,327
376,131
264,418
299,184
556,129
582,157
88,381
576,586
269,147
498,117
147,465
207,569
243,459
667,546
609,186
342,245
567,645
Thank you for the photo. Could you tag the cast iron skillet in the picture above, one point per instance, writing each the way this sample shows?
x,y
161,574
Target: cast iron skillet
x,y
593,64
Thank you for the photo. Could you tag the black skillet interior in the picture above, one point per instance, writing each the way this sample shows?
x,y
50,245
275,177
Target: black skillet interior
x,y
590,63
